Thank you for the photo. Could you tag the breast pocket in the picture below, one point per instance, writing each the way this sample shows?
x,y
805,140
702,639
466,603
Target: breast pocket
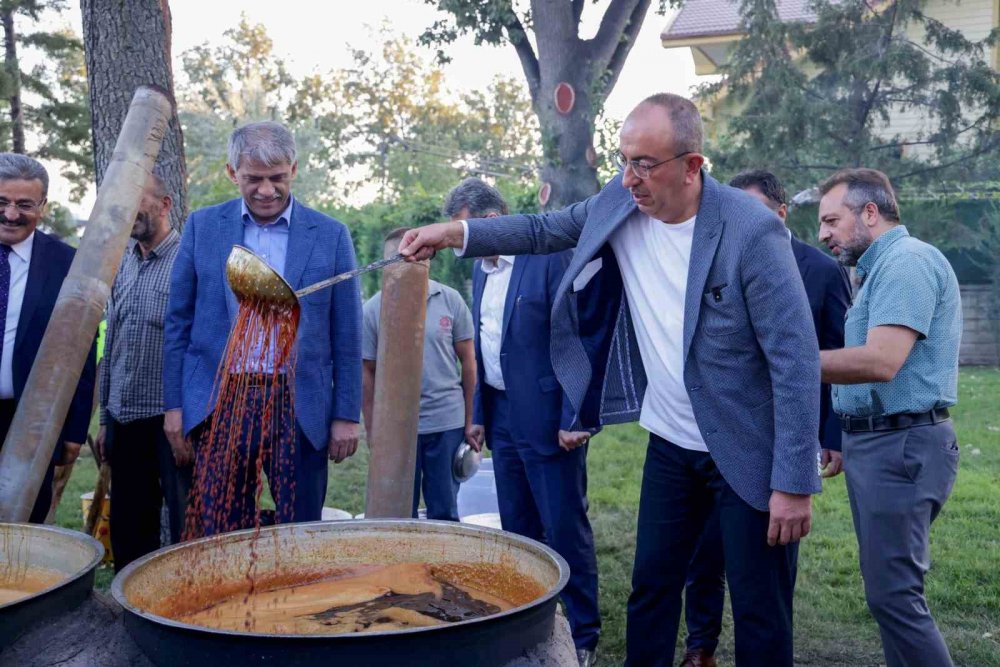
x,y
156,307
723,311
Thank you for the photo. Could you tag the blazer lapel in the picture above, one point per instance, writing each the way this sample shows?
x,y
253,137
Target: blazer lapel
x,y
707,231
39,272
511,301
301,239
593,238
230,234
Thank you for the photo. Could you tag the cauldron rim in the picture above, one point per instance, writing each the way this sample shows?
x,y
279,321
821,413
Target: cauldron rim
x,y
83,538
118,583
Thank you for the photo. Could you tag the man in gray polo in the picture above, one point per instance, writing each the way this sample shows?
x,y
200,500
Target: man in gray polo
x,y
445,393
892,385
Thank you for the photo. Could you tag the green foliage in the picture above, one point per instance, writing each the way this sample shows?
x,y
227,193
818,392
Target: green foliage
x,y
53,94
805,100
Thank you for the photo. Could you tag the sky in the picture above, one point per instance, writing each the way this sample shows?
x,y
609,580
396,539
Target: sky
x,y
315,36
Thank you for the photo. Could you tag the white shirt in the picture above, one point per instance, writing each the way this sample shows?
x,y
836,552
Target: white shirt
x,y
20,260
653,257
491,316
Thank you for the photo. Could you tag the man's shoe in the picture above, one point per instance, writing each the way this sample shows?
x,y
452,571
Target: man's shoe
x,y
587,657
698,658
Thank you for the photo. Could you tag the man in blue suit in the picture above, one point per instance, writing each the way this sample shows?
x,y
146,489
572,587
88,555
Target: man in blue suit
x,y
33,266
682,307
304,246
829,294
541,476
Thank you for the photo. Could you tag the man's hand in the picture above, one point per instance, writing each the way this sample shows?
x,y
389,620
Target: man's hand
x,y
99,442
570,440
421,243
791,517
71,450
343,440
173,426
475,434
832,463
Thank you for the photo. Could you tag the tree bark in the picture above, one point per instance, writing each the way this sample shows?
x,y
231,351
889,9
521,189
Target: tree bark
x,y
14,74
127,44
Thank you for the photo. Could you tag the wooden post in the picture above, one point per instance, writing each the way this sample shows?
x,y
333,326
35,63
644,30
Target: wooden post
x,y
398,377
79,307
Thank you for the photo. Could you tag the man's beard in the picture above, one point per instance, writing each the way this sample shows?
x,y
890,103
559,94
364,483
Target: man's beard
x,y
856,246
143,229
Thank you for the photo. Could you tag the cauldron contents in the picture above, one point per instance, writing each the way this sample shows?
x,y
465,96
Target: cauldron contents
x,y
20,582
363,598
260,357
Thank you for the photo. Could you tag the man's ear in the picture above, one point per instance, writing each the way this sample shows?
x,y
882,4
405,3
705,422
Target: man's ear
x,y
231,173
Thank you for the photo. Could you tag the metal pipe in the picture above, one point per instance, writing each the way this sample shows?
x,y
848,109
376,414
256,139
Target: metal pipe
x,y
79,307
398,374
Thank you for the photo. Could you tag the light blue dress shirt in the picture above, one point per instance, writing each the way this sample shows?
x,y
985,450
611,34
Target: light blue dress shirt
x,y
20,262
270,242
909,283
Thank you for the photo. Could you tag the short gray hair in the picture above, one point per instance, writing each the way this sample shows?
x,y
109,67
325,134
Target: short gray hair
x,y
479,197
685,120
17,167
865,186
267,142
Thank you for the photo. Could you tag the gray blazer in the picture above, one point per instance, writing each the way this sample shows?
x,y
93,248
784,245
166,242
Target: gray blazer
x,y
751,356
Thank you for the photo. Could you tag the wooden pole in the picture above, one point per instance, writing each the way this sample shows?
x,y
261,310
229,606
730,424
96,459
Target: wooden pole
x,y
398,377
79,307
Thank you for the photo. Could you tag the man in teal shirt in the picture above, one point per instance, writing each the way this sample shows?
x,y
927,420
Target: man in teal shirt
x,y
892,385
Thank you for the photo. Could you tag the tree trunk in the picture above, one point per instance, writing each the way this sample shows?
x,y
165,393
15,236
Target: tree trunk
x,y
127,44
14,75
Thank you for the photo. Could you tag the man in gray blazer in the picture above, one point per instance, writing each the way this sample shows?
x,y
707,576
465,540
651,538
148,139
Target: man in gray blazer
x,y
683,308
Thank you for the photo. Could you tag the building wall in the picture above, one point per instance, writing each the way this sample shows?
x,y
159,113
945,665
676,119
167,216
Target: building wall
x,y
975,19
981,325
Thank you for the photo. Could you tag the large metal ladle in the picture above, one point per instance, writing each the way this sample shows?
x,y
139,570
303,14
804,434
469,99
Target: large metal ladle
x,y
252,279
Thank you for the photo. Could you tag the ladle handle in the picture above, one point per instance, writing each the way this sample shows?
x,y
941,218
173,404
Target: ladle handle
x,y
341,277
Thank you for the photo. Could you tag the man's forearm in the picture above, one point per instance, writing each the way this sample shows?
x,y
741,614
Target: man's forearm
x,y
469,390
854,365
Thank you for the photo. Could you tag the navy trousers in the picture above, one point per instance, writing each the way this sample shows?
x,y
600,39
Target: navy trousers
x,y
296,472
680,491
705,590
544,497
435,453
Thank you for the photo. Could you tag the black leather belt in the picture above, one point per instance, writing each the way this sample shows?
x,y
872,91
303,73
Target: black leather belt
x,y
893,422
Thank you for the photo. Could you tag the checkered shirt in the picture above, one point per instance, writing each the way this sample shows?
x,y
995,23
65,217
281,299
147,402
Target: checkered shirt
x,y
132,369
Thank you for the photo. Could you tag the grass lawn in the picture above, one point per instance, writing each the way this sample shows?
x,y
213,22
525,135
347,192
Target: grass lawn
x,y
833,627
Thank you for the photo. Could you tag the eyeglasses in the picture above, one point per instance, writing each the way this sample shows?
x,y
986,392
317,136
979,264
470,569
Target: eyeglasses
x,y
642,169
23,206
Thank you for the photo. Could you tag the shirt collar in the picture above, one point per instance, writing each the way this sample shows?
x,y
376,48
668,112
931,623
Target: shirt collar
x,y
285,217
490,266
171,239
23,249
879,246
433,287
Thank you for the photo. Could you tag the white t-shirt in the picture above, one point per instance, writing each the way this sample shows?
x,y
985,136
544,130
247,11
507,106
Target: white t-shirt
x,y
654,257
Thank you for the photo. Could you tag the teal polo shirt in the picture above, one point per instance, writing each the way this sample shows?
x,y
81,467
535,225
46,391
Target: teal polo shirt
x,y
909,283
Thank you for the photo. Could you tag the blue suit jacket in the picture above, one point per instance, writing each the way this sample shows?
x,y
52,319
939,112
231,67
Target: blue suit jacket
x,y
751,359
50,262
202,308
531,385
829,292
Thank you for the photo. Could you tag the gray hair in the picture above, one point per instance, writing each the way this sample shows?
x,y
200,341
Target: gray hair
x,y
266,142
17,167
478,197
685,120
157,178
865,186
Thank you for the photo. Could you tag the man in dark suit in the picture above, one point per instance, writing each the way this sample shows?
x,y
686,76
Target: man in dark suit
x,y
541,471
829,293
304,246
682,308
32,268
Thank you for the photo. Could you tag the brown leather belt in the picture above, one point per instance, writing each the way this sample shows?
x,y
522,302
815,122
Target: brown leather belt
x,y
893,422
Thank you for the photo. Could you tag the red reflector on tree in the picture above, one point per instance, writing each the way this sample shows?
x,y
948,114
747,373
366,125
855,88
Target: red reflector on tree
x,y
565,98
544,193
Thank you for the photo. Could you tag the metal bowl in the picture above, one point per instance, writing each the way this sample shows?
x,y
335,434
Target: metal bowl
x,y
25,546
466,463
289,548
